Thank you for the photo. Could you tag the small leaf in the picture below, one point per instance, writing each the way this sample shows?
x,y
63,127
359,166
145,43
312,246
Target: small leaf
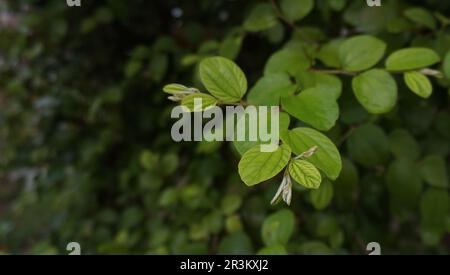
x,y
369,145
418,83
376,90
434,208
321,198
327,157
223,79
329,53
314,106
289,60
260,18
296,9
434,172
175,89
404,185
268,90
305,173
206,101
421,16
411,59
361,52
244,146
256,166
403,144
332,83
278,227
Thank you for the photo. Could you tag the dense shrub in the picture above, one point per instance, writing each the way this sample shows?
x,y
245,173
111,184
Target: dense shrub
x,y
86,153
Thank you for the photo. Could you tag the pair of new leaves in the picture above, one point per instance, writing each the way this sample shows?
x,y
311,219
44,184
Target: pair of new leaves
x,y
227,84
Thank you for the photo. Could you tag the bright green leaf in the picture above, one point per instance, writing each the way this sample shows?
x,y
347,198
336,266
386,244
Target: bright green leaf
x,y
411,59
223,79
305,173
270,88
418,83
289,60
361,52
376,90
206,101
326,158
314,106
256,166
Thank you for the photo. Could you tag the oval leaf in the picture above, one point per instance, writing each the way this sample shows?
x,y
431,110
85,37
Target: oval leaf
x,y
305,173
296,9
326,158
369,145
321,198
314,106
223,79
278,227
260,18
411,59
256,166
418,83
376,90
361,52
198,102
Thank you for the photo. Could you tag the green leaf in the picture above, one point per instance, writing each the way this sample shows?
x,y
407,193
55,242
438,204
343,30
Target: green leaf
x,y
305,173
321,198
237,243
230,204
231,46
376,90
223,79
369,145
296,9
260,18
418,83
256,166
434,208
447,65
346,185
326,158
403,144
332,83
272,250
411,59
404,185
175,89
244,146
329,53
270,88
434,172
207,101
361,52
278,227
421,16
289,60
314,106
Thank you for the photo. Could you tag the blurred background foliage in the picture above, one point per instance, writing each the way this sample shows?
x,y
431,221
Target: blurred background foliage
x,y
86,153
